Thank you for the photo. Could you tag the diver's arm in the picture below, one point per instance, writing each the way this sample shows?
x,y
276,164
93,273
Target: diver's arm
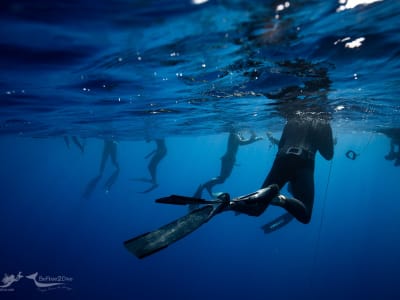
x,y
253,138
282,141
150,154
325,140
271,138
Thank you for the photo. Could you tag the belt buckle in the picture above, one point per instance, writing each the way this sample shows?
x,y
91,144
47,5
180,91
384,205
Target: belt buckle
x,y
294,151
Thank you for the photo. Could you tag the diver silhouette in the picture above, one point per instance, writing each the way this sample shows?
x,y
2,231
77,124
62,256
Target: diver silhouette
x,y
307,131
294,163
156,156
235,139
109,151
394,135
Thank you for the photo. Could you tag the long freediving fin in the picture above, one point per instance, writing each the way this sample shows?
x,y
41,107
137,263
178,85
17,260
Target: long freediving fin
x,y
278,223
183,200
151,242
268,192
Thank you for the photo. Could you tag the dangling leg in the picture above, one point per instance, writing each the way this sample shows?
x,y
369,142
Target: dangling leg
x,y
303,191
254,204
211,183
294,206
227,164
391,155
397,160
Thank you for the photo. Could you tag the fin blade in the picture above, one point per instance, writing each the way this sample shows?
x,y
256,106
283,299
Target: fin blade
x,y
277,223
152,242
181,200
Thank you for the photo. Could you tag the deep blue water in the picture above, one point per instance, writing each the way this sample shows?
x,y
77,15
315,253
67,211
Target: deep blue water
x,y
130,71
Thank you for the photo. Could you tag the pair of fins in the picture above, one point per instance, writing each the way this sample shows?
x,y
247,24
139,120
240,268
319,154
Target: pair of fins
x,y
152,242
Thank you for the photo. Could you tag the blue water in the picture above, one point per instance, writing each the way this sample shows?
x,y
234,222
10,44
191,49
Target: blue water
x,y
130,71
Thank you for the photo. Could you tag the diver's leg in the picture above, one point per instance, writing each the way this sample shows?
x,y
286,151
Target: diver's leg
x,y
113,154
303,191
397,154
279,173
254,204
152,167
227,165
78,143
91,185
199,191
104,157
110,182
66,140
391,155
249,208
212,182
397,161
294,206
225,171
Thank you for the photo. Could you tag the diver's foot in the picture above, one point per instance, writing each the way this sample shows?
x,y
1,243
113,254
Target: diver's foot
x,y
216,195
208,187
225,197
222,196
397,162
390,156
225,201
279,200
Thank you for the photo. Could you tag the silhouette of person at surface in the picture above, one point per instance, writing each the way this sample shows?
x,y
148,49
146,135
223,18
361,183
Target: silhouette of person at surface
x,y
76,142
156,156
306,132
235,139
109,151
394,135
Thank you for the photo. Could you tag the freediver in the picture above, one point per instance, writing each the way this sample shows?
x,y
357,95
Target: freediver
x,y
302,137
307,131
394,135
156,156
109,151
235,139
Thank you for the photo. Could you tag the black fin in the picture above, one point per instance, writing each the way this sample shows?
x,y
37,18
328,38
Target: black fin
x,y
278,223
151,242
183,200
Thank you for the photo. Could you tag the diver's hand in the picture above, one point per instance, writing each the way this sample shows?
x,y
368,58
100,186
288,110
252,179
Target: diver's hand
x,y
271,138
254,136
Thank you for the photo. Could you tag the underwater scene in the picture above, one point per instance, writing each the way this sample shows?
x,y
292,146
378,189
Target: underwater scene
x,y
200,149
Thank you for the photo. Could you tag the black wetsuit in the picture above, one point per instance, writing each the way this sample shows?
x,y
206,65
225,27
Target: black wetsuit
x,y
294,162
227,161
158,155
394,135
109,150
